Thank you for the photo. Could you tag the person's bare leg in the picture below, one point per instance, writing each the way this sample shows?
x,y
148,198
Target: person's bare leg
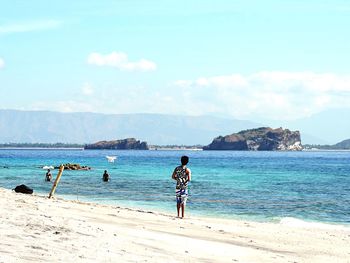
x,y
183,210
178,209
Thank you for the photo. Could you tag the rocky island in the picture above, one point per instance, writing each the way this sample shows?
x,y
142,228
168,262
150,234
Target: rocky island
x,y
125,144
74,166
260,139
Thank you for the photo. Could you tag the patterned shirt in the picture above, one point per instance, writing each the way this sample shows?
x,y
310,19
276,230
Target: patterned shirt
x,y
181,177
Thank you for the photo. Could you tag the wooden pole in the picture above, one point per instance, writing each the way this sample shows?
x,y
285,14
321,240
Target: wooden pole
x,y
60,171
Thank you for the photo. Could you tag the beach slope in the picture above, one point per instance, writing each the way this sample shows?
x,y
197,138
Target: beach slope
x,y
36,229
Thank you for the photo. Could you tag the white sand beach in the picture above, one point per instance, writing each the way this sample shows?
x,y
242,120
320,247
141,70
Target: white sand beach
x,y
36,229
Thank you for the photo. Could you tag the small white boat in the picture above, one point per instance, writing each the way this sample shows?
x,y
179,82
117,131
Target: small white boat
x,y
48,167
111,159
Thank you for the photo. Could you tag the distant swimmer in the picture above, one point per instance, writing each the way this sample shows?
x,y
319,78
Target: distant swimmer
x,y
48,176
105,176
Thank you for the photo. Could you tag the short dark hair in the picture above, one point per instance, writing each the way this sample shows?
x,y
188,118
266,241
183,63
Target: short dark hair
x,y
184,160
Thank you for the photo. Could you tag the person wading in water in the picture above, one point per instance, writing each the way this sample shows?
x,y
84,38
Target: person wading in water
x,y
105,176
48,176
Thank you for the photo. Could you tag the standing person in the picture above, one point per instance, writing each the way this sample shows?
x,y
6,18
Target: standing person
x,y
105,176
182,175
48,176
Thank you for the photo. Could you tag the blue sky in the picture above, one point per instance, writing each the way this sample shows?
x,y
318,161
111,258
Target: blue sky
x,y
245,59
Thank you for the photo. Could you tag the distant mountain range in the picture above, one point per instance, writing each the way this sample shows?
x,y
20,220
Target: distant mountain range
x,y
343,145
51,127
328,127
156,129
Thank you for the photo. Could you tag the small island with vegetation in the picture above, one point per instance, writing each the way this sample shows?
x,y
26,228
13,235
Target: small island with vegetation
x,y
124,144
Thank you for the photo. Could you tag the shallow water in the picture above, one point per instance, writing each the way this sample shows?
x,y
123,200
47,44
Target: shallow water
x,y
263,186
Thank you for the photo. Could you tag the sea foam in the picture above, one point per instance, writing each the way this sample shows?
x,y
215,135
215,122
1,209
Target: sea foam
x,y
295,222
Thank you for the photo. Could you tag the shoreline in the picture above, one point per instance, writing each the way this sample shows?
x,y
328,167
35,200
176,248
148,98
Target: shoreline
x,y
35,228
199,214
196,214
123,204
172,213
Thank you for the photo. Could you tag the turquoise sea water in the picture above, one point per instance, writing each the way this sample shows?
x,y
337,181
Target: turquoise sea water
x,y
263,186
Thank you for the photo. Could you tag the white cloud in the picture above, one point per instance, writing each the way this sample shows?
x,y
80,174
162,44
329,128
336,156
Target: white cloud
x,y
234,80
258,96
268,94
120,60
87,89
2,63
29,26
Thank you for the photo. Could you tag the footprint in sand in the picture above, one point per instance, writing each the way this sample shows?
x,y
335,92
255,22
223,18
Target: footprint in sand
x,y
37,247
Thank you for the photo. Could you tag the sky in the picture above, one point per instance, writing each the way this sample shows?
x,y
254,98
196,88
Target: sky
x,y
245,59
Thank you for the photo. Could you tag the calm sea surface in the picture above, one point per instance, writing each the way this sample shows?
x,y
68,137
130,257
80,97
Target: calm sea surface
x,y
262,186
